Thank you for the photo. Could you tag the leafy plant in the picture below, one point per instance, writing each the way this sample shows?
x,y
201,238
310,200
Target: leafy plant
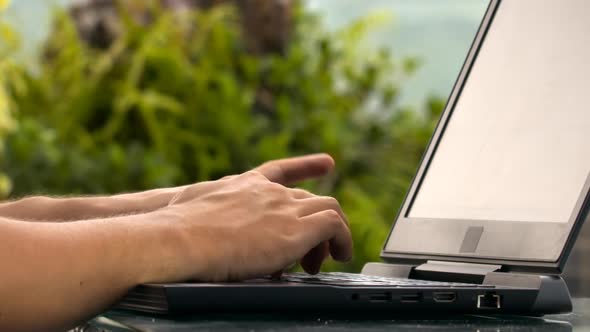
x,y
8,44
182,100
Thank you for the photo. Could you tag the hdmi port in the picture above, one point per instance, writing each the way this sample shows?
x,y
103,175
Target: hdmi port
x,y
445,297
411,297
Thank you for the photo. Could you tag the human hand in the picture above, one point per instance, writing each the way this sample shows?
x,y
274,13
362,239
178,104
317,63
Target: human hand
x,y
287,172
290,171
247,226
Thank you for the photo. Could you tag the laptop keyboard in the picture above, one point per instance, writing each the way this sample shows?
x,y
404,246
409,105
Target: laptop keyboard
x,y
352,279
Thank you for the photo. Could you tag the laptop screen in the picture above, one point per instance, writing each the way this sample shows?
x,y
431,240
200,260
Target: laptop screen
x,y
517,146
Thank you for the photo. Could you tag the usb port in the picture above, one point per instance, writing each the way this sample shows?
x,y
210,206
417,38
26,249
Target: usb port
x,y
379,297
411,297
489,300
444,297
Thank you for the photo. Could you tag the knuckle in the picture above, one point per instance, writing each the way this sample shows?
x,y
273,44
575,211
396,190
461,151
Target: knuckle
x,y
278,189
254,174
266,164
333,202
298,192
303,191
333,215
335,206
273,186
276,194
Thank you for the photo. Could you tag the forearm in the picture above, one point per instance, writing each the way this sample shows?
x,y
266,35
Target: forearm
x,y
81,208
57,274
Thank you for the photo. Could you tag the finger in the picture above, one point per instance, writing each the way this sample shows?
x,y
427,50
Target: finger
x,y
309,206
312,261
328,226
289,171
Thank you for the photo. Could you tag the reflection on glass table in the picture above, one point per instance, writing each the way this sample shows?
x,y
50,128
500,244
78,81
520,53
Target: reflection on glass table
x,y
119,321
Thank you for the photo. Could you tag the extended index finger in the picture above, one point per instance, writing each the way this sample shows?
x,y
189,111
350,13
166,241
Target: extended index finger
x,y
291,170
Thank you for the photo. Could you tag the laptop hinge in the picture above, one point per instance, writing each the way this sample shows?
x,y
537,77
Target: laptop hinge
x,y
453,271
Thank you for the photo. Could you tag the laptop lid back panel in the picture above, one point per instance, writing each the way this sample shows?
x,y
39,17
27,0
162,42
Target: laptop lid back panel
x,y
505,179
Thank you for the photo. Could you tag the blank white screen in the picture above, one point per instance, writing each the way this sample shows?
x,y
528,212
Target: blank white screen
x,y
517,146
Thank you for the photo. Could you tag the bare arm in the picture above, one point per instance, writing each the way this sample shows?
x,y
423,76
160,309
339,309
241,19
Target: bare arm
x,y
55,275
49,209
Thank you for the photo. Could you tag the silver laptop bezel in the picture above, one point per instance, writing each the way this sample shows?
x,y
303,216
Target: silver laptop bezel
x,y
546,251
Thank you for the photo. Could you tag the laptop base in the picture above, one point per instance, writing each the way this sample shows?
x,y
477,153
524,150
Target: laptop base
x,y
552,296
511,294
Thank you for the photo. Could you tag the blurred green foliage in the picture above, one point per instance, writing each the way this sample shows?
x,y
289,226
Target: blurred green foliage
x,y
181,100
9,43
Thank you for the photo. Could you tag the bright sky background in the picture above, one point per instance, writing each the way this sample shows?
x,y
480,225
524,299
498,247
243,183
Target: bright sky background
x,y
437,32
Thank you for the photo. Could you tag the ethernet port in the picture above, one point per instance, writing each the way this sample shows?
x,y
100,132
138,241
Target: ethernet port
x,y
489,300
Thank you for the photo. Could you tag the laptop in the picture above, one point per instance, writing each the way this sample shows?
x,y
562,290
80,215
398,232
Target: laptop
x,y
495,206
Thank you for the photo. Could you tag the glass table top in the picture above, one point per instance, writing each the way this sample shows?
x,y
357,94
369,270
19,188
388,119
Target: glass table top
x,y
119,321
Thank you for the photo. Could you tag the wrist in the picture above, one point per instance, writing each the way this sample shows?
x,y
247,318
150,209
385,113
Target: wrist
x,y
148,201
172,254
